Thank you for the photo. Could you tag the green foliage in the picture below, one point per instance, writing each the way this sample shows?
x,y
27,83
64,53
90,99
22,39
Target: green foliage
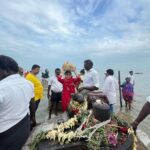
x,y
37,139
81,116
98,139
121,122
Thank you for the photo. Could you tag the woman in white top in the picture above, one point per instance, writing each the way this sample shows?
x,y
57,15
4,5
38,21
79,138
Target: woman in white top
x,y
15,95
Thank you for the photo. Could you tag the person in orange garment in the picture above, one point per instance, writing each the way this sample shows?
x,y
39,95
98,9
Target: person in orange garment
x,y
69,84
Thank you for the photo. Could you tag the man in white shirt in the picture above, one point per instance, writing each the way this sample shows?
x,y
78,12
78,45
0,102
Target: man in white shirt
x,y
56,91
145,111
15,95
132,81
91,77
110,88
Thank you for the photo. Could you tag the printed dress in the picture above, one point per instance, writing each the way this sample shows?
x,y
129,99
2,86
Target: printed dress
x,y
127,92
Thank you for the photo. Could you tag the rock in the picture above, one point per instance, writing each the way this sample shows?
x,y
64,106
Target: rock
x,y
78,97
101,111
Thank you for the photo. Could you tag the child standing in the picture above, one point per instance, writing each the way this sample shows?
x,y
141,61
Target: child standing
x,y
127,92
69,84
56,91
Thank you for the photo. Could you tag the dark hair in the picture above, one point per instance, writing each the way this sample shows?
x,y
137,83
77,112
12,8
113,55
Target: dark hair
x,y
35,66
82,71
127,78
9,64
130,71
88,61
110,72
67,72
57,69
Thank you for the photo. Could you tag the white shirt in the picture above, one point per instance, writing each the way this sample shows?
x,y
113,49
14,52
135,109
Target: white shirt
x,y
15,95
148,99
56,86
110,89
82,79
131,79
91,78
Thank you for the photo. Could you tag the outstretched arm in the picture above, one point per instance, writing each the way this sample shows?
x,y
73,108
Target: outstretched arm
x,y
60,79
91,88
142,115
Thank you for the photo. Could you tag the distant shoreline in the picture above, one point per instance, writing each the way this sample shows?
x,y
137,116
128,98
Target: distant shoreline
x,y
138,73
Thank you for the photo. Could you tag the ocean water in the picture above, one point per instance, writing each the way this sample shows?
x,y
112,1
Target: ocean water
x,y
142,82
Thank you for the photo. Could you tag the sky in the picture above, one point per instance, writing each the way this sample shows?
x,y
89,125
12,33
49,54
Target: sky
x,y
112,33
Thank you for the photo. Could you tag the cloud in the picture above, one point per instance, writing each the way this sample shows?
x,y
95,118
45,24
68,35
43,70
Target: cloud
x,y
122,46
62,29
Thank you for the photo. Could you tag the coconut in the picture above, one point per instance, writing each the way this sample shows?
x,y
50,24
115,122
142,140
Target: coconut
x,y
68,67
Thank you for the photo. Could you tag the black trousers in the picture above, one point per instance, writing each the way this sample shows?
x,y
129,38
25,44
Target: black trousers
x,y
56,97
37,102
15,137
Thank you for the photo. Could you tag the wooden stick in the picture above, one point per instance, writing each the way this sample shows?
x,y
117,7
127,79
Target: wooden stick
x,y
120,95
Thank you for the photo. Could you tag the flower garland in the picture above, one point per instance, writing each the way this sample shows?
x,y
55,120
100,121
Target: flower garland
x,y
77,107
131,132
109,134
60,134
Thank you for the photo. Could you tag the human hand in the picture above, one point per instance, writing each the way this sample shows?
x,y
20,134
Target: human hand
x,y
74,70
32,124
134,126
81,89
48,95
